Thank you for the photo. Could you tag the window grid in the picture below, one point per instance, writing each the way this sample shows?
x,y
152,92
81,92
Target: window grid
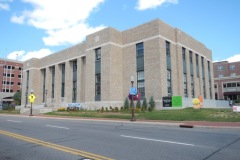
x,y
232,67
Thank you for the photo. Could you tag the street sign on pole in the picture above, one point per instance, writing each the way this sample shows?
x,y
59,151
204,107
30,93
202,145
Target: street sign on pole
x,y
31,98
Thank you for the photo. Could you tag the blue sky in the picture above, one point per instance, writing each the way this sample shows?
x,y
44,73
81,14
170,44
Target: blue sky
x,y
37,28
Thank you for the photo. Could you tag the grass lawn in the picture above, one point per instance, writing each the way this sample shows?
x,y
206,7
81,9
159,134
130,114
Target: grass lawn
x,y
10,111
187,114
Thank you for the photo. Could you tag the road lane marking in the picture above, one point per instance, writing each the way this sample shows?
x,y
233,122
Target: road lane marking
x,y
57,127
56,146
158,140
14,121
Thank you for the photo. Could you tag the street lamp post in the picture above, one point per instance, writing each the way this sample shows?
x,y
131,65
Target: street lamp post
x,y
31,104
46,98
26,94
133,93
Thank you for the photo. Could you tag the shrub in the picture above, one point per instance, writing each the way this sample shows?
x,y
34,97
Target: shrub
x,y
9,107
102,109
116,109
106,109
137,110
61,109
151,104
144,105
17,98
138,105
126,104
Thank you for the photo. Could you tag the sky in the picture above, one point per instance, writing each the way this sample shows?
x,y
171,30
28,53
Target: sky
x,y
37,28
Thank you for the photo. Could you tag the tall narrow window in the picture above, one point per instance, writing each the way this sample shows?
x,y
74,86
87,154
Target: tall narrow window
x,y
44,83
74,89
197,65
184,72
169,70
53,81
27,86
98,86
191,73
203,78
140,68
98,74
63,81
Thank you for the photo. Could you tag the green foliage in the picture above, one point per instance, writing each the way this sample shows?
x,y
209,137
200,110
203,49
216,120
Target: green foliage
x,y
17,98
138,105
8,107
61,109
106,109
187,114
102,109
144,105
151,104
116,109
126,104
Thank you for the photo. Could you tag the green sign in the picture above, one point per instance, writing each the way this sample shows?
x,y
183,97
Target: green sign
x,y
176,101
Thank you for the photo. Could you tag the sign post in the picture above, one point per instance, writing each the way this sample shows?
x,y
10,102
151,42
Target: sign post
x,y
133,92
31,98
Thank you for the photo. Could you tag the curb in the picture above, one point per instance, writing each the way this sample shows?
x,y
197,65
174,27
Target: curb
x,y
181,124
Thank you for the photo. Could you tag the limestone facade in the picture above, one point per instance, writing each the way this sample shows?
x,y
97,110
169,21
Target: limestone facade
x,y
117,64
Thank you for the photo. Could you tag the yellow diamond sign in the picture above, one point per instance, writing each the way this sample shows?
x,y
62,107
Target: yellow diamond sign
x,y
31,98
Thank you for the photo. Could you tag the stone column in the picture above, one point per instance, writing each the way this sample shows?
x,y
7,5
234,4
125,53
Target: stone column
x,y
57,86
68,82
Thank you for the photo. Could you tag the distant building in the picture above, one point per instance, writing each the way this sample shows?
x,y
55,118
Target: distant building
x,y
227,80
163,60
10,79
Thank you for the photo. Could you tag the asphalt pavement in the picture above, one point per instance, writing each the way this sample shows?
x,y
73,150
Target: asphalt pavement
x,y
187,124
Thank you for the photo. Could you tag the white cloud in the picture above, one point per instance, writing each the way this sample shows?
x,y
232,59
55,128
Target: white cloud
x,y
23,55
17,19
150,4
4,4
14,55
69,35
235,58
64,21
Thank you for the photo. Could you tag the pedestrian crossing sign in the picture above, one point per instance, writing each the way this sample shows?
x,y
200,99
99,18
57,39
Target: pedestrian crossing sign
x,y
31,98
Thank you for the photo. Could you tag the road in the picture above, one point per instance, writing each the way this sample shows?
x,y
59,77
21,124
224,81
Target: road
x,y
28,138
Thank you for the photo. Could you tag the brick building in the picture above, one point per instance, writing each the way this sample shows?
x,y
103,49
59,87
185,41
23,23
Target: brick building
x,y
163,60
11,79
227,80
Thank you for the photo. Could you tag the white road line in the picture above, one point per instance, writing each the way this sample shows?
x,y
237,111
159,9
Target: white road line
x,y
57,127
14,121
158,140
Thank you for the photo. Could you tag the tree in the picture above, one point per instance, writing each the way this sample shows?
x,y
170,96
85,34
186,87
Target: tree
x,y
126,104
17,98
151,104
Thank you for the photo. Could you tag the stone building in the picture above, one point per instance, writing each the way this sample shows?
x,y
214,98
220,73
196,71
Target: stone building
x,y
164,61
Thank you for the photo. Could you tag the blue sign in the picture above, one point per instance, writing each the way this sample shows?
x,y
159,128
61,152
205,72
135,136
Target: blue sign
x,y
133,91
